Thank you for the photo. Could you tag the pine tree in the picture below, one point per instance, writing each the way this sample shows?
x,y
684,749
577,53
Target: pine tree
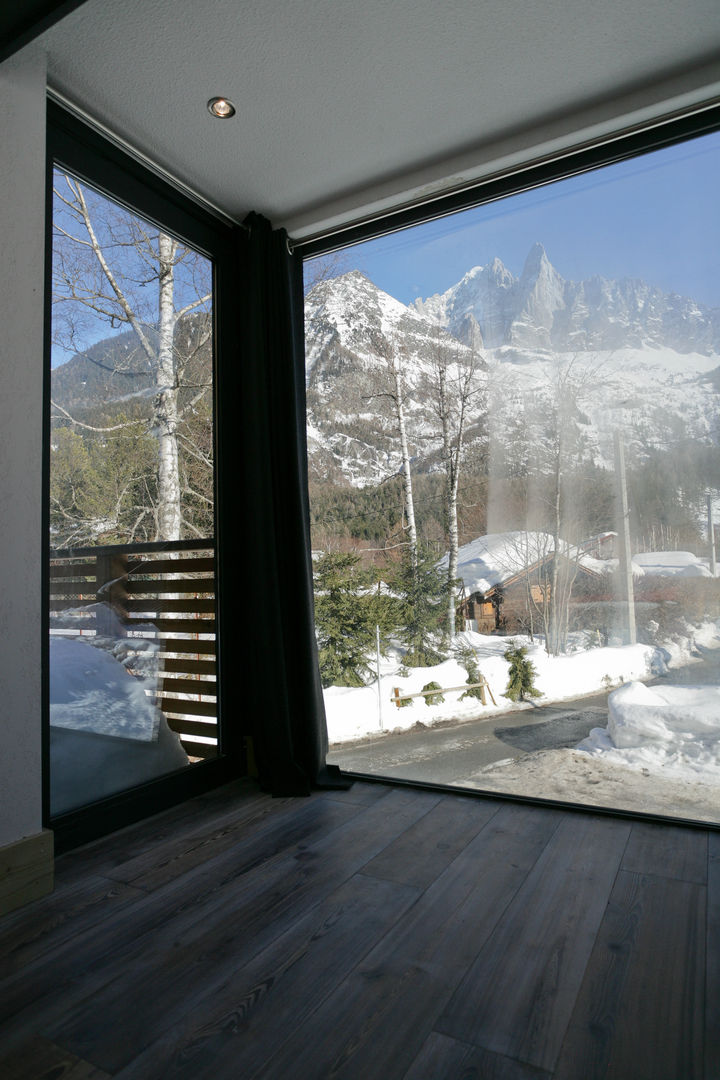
x,y
421,590
347,610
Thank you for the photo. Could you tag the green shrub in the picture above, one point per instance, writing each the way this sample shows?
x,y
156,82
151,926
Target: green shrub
x,y
433,699
466,657
522,674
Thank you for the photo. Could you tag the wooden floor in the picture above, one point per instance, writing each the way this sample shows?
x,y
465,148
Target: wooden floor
x,y
377,933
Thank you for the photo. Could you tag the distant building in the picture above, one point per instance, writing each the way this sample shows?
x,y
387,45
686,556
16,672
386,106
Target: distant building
x,y
505,576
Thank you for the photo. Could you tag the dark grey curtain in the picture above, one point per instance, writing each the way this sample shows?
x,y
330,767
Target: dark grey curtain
x,y
283,706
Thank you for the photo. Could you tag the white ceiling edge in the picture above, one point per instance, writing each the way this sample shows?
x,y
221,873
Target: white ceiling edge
x,y
642,108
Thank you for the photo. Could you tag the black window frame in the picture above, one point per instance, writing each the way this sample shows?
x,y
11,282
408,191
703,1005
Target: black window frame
x,y
75,146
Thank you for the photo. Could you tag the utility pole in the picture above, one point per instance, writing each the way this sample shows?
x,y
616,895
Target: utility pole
x,y
626,578
711,535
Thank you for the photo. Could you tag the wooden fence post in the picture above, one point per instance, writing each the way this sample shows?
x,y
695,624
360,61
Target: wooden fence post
x,y
111,594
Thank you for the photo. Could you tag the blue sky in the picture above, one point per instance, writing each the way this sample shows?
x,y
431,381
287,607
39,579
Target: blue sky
x,y
654,217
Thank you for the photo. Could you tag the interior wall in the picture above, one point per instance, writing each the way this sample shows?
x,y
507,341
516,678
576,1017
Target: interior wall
x,y
22,226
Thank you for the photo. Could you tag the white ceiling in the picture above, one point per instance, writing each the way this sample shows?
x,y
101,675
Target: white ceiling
x,y
346,107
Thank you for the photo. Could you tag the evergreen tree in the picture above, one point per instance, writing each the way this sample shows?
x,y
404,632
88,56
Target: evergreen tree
x,y
347,610
433,699
102,488
421,590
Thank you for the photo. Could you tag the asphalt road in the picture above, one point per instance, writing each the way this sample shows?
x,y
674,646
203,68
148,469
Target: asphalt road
x,y
446,752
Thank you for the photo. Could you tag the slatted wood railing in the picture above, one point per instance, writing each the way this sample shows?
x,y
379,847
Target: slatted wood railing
x,y
163,593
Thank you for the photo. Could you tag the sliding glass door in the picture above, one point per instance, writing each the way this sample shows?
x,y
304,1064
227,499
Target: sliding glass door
x,y
131,513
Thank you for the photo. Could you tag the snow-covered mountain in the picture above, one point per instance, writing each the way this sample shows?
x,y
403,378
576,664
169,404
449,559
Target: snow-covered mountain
x,y
354,331
490,307
628,354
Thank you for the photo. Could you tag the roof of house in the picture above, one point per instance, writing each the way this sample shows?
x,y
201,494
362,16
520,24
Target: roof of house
x,y
498,558
669,564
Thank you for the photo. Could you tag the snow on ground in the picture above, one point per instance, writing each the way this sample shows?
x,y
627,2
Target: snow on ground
x,y
576,776
660,753
352,713
662,728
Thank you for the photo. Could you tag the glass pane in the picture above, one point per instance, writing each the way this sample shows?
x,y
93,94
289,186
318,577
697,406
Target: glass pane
x,y
132,597
513,428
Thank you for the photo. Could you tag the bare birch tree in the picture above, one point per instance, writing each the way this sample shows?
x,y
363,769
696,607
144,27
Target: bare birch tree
x,y
111,267
394,391
455,390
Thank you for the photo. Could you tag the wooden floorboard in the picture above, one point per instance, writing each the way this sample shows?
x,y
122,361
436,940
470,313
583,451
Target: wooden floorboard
x,y
712,981
667,851
518,995
449,1059
186,910
264,1001
423,851
401,987
641,1008
40,1059
378,932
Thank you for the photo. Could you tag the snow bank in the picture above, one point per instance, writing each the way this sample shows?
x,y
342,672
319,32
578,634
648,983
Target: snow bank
x,y
353,713
665,729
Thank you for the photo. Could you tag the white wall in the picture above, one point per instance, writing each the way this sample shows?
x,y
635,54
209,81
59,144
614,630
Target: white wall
x,y
22,210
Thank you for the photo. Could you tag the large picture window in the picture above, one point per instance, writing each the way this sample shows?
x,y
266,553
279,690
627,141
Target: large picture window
x,y
514,467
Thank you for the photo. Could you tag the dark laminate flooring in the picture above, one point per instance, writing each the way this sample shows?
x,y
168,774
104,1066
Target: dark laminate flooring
x,y
381,932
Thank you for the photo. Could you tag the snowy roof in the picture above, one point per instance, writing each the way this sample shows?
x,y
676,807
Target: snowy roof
x,y
669,564
498,557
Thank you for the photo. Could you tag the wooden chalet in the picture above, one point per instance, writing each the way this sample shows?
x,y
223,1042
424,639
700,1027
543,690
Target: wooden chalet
x,y
506,574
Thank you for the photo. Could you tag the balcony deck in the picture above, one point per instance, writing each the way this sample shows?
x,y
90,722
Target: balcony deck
x,y
379,932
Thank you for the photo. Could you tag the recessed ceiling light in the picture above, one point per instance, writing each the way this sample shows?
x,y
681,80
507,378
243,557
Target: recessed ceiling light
x,y
221,107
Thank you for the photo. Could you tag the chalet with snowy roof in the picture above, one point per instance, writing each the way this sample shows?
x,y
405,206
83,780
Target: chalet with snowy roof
x,y
504,574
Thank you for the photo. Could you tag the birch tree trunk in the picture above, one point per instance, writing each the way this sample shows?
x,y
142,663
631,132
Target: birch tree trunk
x,y
553,643
166,400
451,407
451,475
399,399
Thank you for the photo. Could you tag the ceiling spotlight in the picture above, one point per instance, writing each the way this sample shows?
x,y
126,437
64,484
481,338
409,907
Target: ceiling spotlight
x,y
221,107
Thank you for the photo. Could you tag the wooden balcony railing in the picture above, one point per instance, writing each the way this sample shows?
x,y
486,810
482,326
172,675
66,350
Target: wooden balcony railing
x,y
162,593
